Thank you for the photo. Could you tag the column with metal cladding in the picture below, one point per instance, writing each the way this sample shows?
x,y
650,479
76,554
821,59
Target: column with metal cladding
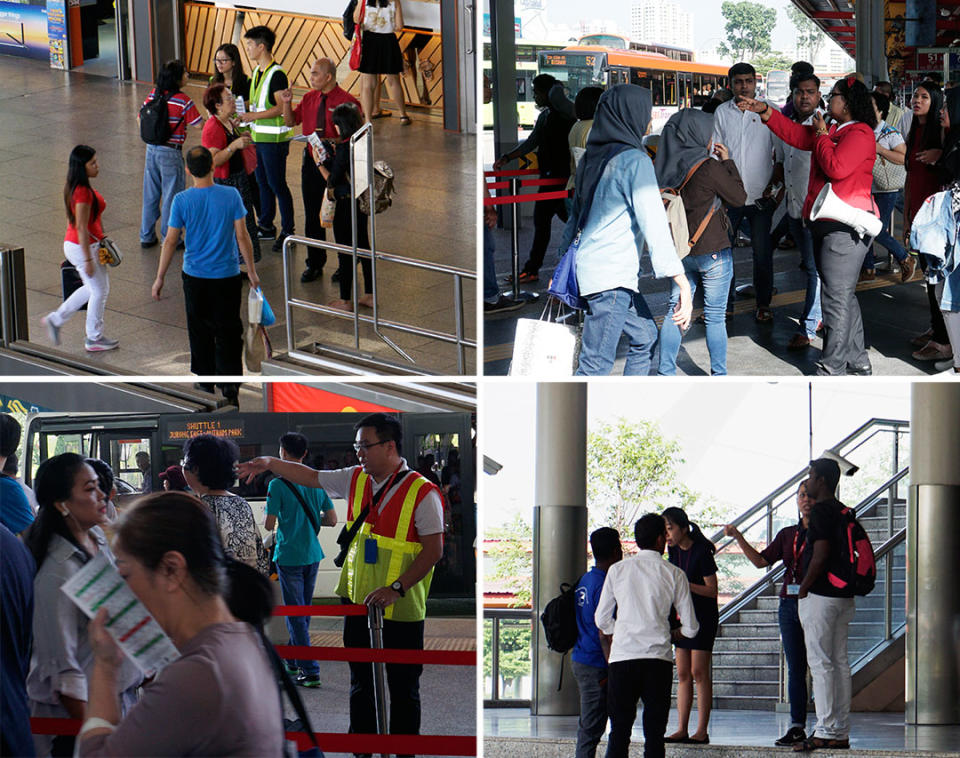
x,y
559,530
933,556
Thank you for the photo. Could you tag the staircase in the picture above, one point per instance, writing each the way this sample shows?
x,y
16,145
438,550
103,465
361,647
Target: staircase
x,y
747,652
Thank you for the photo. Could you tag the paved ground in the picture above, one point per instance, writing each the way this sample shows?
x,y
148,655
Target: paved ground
x,y
44,113
892,314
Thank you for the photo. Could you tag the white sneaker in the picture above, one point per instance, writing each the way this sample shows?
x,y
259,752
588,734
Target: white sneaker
x,y
944,365
98,346
53,331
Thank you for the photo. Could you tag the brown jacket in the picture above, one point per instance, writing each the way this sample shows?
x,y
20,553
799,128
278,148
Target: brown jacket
x,y
713,179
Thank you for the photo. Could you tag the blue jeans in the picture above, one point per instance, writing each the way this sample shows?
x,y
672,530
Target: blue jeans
x,y
885,203
592,683
272,178
296,586
715,270
795,651
811,304
609,314
163,178
760,222
491,291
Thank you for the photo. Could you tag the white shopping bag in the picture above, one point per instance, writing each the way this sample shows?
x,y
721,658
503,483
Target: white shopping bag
x,y
546,347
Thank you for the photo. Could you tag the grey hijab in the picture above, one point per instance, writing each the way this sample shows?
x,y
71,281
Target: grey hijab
x,y
683,143
622,117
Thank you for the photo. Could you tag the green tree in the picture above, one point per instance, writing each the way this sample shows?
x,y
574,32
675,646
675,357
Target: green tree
x,y
749,27
771,60
810,37
515,660
512,558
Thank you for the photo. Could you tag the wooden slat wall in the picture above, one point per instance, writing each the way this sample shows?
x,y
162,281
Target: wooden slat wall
x,y
300,41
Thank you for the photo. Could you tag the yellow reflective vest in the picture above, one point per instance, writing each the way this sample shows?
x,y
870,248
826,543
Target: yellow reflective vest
x,y
396,544
266,129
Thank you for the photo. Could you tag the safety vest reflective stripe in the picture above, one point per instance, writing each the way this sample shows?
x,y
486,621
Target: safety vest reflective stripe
x,y
267,129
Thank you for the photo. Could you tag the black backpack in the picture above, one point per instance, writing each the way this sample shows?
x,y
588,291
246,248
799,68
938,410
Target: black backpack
x,y
155,121
559,619
857,566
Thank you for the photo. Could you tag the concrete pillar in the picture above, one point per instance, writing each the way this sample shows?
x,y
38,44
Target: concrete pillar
x,y
503,59
933,556
871,45
559,530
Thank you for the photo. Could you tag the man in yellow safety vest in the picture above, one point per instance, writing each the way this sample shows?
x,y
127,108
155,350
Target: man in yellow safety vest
x,y
395,519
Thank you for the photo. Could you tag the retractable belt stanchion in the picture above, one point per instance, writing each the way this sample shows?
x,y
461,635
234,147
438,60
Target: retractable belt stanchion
x,y
375,622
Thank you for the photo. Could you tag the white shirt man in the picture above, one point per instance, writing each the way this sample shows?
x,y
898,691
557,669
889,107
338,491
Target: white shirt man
x,y
641,590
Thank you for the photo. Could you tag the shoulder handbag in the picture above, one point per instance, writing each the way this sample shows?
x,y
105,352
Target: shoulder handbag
x,y
888,176
355,51
547,347
109,254
303,504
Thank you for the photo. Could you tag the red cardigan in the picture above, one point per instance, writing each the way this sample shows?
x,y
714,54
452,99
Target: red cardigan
x,y
844,157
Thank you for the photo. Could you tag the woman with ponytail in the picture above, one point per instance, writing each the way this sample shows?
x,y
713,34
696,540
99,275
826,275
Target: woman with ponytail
x,y
689,549
169,552
66,535
81,246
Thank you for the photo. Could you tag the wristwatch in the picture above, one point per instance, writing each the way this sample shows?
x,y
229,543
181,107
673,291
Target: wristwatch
x,y
398,588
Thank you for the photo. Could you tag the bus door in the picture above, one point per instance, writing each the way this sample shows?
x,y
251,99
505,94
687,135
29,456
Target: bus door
x,y
685,89
448,438
134,461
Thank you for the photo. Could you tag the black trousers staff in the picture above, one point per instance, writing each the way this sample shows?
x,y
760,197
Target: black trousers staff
x,y
214,325
343,234
543,213
403,680
641,679
312,187
839,256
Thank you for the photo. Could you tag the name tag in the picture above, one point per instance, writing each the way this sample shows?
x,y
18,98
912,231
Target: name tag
x,y
793,590
370,550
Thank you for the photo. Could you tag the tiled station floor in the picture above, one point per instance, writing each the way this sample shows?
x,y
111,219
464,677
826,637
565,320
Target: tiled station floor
x,y
44,113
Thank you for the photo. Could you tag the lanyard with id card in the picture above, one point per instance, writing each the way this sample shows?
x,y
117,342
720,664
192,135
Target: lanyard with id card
x,y
793,589
370,550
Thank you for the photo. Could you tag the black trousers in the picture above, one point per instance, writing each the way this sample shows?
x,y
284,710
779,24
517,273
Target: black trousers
x,y
312,187
543,213
214,325
241,181
641,679
839,257
343,235
403,680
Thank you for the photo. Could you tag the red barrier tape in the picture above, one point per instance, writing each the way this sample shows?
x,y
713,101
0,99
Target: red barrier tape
x,y
507,199
544,183
515,172
498,185
369,655
320,610
403,744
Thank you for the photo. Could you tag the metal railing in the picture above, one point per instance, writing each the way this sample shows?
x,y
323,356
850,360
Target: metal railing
x,y
361,151
496,616
886,557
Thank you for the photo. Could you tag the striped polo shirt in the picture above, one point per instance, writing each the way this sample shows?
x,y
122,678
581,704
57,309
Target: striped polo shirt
x,y
180,112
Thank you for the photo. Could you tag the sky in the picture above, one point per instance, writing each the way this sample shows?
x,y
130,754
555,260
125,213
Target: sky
x,y
740,439
708,22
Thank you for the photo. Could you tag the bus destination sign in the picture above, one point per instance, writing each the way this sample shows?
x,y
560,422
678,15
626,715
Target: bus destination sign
x,y
566,59
180,431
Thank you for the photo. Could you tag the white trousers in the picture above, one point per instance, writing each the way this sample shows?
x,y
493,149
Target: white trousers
x,y
825,622
952,320
93,292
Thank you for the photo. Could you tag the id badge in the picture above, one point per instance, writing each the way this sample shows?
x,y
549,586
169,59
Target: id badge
x,y
370,550
793,590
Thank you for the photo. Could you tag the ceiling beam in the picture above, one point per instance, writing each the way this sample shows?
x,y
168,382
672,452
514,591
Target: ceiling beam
x,y
832,14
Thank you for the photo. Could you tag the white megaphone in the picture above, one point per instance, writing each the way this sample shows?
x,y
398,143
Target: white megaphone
x,y
828,205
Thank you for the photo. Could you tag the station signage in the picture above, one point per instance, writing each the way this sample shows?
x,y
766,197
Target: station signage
x,y
178,431
934,61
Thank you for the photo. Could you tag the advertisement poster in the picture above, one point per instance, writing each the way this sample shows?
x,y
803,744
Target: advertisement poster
x,y
57,33
23,29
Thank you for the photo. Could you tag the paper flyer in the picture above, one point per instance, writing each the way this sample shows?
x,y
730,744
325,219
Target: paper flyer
x,y
98,585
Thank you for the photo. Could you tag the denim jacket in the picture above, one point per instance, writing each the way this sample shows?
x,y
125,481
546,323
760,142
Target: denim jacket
x,y
627,216
936,233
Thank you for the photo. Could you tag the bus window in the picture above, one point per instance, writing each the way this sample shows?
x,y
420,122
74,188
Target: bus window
x,y
670,89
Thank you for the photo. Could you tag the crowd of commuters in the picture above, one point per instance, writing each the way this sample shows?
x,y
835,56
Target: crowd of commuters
x,y
768,158
630,611
193,555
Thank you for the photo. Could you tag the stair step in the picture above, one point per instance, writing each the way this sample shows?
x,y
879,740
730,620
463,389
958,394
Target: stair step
x,y
747,702
741,644
769,629
746,659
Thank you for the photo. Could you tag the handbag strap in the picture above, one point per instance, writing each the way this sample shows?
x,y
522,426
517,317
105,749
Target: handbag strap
x,y
303,503
358,521
585,211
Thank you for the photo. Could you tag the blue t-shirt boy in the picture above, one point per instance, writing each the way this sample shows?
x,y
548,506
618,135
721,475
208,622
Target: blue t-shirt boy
x,y
587,650
207,214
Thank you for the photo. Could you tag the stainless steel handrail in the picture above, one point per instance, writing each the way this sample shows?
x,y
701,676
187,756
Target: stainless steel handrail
x,y
496,615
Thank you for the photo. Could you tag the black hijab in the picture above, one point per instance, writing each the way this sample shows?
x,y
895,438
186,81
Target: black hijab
x,y
621,121
683,144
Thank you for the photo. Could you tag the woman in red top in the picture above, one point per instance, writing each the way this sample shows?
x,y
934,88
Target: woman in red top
x,y
924,147
81,246
231,151
843,155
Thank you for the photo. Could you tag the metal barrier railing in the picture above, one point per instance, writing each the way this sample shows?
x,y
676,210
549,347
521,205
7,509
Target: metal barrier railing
x,y
361,152
496,616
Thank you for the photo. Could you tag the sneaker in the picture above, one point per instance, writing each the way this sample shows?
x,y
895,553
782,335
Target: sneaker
x,y
100,345
798,342
309,680
294,671
933,351
146,245
278,243
944,366
922,339
53,331
266,234
908,268
763,314
502,305
794,735
310,274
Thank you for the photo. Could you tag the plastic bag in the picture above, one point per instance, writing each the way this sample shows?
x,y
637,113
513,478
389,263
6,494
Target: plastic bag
x,y
258,309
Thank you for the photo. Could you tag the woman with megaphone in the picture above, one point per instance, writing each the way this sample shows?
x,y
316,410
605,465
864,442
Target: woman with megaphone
x,y
839,211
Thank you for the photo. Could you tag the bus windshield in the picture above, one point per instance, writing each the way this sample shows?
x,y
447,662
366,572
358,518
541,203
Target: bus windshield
x,y
604,40
574,70
778,86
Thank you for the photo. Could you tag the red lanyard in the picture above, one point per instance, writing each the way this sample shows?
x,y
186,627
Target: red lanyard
x,y
374,515
797,555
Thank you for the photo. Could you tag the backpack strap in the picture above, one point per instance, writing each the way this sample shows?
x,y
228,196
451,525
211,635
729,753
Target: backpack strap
x,y
690,174
713,209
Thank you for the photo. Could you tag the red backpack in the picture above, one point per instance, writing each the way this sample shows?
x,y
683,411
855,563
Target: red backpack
x,y
857,563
